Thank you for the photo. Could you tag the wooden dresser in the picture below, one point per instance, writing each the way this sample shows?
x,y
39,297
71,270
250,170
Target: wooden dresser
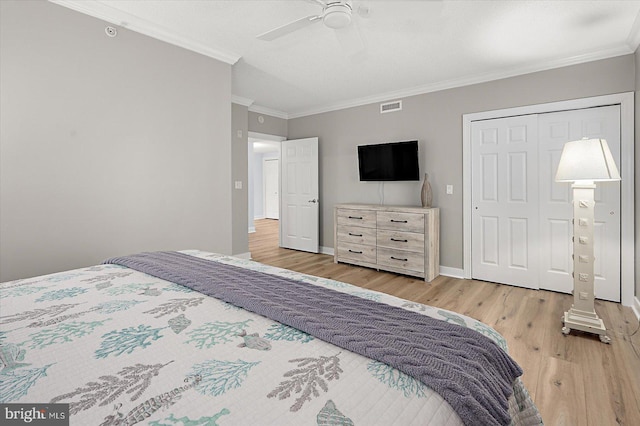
x,y
399,239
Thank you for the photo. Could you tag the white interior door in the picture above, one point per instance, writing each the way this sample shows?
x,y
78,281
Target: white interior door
x,y
505,200
271,179
522,218
299,200
556,211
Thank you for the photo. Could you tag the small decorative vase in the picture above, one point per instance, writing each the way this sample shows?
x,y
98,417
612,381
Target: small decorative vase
x,y
425,195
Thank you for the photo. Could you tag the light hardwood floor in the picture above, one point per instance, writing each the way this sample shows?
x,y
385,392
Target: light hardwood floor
x,y
574,380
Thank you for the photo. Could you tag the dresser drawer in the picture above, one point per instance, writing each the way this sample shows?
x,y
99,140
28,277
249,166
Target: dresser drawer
x,y
356,235
400,259
357,253
349,217
397,221
401,240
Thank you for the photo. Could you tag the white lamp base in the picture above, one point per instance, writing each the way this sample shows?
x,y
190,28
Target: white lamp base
x,y
588,322
582,315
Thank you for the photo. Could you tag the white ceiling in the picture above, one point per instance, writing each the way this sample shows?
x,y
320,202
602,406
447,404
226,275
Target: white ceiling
x,y
400,48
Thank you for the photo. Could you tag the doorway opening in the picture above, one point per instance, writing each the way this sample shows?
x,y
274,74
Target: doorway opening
x,y
286,189
263,149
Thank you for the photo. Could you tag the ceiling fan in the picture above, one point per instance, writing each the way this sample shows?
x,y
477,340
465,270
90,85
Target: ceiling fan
x,y
336,14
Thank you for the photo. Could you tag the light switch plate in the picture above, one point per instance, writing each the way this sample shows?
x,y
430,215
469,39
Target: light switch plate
x,y
449,189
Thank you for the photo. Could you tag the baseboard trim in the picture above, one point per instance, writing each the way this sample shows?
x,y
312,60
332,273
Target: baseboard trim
x,y
246,256
252,229
326,250
636,308
451,272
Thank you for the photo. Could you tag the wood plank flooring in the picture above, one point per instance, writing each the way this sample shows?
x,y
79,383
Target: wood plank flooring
x,y
574,380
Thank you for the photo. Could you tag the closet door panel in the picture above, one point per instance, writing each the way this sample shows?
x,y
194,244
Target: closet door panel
x,y
504,219
555,129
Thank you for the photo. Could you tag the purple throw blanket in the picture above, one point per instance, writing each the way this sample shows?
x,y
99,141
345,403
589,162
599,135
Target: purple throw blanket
x,y
467,369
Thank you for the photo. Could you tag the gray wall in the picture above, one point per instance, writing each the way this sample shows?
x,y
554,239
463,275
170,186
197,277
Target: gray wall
x,y
271,126
108,146
240,172
435,119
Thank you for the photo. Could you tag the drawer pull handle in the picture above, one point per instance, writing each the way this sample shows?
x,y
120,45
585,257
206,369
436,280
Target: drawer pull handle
x,y
355,217
397,258
398,221
399,241
355,235
355,251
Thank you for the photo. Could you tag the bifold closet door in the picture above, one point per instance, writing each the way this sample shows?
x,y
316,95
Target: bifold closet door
x,y
521,218
505,200
556,214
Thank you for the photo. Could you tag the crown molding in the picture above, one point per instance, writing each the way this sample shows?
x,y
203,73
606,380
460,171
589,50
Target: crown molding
x,y
241,101
133,23
114,16
633,40
466,81
269,111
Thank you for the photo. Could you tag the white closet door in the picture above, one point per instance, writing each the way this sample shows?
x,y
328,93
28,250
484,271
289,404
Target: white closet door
x,y
505,200
555,202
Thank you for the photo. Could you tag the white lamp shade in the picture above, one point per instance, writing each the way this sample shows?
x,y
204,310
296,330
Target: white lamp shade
x,y
587,159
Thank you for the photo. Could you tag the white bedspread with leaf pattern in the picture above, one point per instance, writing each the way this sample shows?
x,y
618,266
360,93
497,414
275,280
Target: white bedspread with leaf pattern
x,y
122,347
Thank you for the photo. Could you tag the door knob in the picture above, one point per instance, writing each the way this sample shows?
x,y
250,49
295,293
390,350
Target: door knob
x,y
313,201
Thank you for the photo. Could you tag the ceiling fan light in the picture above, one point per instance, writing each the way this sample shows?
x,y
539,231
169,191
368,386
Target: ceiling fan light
x,y
337,15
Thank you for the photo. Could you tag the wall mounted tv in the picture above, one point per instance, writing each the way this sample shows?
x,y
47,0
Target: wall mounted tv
x,y
389,161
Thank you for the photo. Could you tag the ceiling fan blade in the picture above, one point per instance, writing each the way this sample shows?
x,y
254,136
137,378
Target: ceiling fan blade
x,y
289,28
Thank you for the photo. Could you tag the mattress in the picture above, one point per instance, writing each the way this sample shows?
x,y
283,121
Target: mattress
x,y
123,347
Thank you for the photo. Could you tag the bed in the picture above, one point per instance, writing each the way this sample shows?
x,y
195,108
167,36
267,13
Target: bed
x,y
123,346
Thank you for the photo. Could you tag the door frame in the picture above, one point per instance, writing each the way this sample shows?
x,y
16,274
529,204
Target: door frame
x,y
627,200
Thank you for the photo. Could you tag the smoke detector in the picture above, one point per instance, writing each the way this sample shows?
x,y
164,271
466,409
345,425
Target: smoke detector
x,y
111,31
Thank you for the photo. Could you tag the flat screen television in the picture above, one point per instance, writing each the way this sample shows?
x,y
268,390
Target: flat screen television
x,y
394,161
